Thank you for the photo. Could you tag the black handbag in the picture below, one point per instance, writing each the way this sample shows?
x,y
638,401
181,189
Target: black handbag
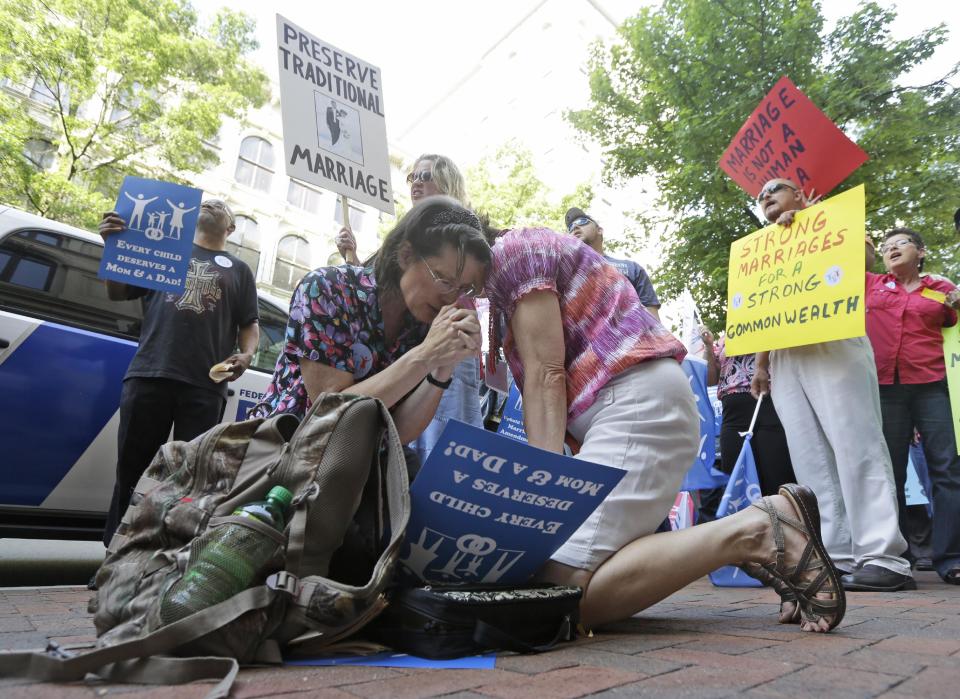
x,y
452,621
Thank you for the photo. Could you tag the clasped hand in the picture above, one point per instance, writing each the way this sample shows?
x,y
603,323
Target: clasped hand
x,y
454,335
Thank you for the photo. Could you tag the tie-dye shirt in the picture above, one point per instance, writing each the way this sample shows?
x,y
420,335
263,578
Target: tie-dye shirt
x,y
605,328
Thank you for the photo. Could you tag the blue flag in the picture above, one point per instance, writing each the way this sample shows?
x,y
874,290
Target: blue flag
x,y
917,489
743,488
702,475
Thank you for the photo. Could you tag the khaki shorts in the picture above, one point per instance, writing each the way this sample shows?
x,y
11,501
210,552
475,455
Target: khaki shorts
x,y
645,422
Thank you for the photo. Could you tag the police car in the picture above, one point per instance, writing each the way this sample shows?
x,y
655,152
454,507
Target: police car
x,y
64,348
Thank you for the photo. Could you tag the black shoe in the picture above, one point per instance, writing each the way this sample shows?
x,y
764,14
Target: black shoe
x,y
92,583
873,578
923,564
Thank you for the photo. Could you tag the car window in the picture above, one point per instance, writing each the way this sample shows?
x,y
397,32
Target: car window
x,y
53,276
273,328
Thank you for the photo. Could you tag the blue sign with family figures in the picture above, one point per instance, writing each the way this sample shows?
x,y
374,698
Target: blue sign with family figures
x,y
154,251
489,509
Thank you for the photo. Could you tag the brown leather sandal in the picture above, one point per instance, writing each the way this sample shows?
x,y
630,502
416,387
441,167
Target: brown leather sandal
x,y
786,594
791,582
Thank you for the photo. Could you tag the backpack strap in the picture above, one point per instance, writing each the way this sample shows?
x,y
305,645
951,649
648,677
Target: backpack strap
x,y
303,560
314,594
133,661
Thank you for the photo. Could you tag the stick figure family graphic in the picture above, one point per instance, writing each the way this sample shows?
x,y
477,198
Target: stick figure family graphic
x,y
156,220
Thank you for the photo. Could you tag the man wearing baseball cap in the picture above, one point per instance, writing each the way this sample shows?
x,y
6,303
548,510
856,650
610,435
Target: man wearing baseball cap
x,y
585,227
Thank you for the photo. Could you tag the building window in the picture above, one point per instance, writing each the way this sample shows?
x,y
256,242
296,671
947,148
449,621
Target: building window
x,y
356,215
40,152
128,100
255,164
244,242
304,197
41,93
293,261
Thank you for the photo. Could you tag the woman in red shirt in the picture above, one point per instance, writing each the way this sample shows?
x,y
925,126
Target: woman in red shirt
x,y
905,315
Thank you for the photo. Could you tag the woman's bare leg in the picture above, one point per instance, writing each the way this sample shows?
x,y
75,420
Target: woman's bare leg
x,y
653,567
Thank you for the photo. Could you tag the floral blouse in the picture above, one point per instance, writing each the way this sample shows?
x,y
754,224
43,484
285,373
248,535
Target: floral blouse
x,y
736,373
335,319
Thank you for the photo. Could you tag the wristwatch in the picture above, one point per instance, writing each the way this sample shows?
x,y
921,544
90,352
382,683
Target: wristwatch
x,y
438,383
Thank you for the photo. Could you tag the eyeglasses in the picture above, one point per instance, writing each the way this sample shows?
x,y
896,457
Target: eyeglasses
x,y
582,221
773,189
422,176
895,244
447,287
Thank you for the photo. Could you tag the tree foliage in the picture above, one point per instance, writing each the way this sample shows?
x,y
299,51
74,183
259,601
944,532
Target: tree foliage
x,y
673,89
115,87
505,187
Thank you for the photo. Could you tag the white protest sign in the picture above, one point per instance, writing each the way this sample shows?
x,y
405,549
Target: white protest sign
x,y
334,132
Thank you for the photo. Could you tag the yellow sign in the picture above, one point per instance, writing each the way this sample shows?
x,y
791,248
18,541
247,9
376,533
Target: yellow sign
x,y
934,295
799,284
951,356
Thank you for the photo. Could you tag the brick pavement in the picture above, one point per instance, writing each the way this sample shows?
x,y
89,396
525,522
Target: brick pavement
x,y
701,642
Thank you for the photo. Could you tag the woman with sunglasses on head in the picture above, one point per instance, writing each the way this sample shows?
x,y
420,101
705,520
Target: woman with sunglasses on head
x,y
905,314
591,362
431,175
393,329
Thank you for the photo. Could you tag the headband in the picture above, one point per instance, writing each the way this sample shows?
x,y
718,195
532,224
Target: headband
x,y
461,216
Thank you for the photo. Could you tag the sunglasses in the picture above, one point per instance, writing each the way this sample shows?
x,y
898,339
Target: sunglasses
x,y
773,189
422,176
582,221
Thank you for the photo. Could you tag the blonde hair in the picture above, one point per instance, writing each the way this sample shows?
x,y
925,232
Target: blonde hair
x,y
447,176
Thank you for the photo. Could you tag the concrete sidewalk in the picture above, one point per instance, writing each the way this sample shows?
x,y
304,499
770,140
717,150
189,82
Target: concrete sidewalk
x,y
701,642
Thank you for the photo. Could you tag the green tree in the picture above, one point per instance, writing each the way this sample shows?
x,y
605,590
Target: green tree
x,y
115,87
675,87
505,187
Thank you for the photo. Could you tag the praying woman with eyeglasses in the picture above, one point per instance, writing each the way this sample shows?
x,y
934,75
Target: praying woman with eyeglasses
x,y
393,329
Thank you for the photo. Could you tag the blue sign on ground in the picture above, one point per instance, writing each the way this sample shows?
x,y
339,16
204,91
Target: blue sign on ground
x,y
488,509
511,422
391,659
154,252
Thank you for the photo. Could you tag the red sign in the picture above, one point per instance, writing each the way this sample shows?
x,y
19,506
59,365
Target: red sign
x,y
788,137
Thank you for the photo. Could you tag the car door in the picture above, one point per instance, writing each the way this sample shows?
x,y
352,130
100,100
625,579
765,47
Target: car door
x,y
64,347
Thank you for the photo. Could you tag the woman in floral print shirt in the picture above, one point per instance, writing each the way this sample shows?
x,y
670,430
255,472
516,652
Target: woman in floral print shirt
x,y
381,330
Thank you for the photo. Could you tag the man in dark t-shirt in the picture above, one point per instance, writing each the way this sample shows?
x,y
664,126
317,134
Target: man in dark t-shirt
x,y
168,383
584,227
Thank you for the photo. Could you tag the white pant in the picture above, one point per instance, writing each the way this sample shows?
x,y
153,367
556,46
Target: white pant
x,y
827,398
644,421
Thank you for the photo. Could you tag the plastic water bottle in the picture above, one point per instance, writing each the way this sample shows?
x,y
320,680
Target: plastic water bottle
x,y
226,560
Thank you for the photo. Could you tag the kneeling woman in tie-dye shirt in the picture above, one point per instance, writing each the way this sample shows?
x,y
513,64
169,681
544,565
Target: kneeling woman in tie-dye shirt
x,y
591,361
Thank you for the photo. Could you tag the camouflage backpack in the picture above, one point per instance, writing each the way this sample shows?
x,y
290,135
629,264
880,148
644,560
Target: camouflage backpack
x,y
344,464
